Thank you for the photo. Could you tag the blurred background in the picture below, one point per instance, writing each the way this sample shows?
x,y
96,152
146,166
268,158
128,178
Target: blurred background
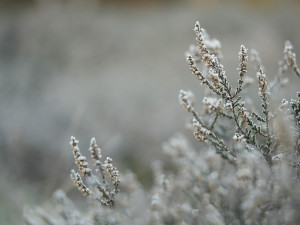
x,y
111,69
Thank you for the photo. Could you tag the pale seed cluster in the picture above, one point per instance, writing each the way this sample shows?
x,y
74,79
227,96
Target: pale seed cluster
x,y
80,160
112,171
200,132
101,191
186,99
290,57
245,116
79,183
254,130
262,83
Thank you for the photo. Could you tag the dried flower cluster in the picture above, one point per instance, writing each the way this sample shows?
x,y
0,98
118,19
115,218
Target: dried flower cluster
x,y
107,194
252,129
255,181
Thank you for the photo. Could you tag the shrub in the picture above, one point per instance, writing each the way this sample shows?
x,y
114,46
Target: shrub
x,y
246,173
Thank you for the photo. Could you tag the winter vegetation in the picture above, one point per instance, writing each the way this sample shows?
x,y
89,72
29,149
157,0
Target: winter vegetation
x,y
245,169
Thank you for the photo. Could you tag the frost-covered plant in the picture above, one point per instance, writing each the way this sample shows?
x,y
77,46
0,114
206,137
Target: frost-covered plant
x,y
101,189
255,181
252,130
106,194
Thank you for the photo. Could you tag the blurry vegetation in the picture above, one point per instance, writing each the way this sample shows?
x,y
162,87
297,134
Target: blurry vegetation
x,y
108,72
243,172
256,3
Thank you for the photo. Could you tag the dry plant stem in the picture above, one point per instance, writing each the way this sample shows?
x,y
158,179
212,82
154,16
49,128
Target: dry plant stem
x,y
196,72
263,92
240,129
203,134
212,63
220,86
219,112
214,121
289,60
195,115
188,105
266,112
222,144
96,155
210,59
107,195
79,183
80,160
242,69
202,131
247,130
290,57
236,119
194,69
